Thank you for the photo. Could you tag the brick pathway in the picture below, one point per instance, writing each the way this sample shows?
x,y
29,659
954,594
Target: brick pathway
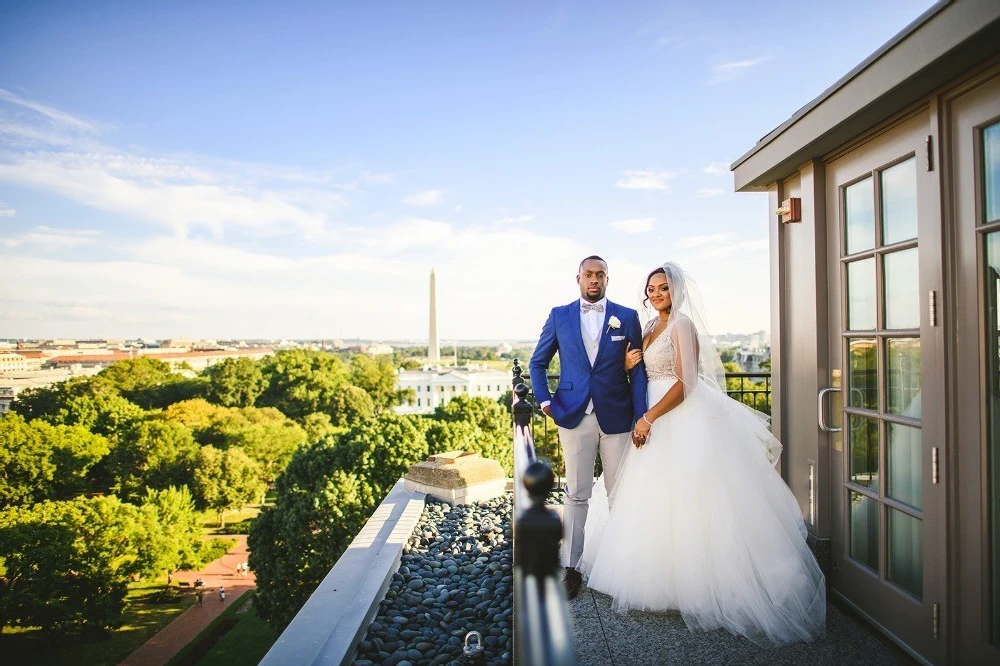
x,y
159,649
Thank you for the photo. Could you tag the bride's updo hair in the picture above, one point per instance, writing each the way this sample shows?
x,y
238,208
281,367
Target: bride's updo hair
x,y
645,300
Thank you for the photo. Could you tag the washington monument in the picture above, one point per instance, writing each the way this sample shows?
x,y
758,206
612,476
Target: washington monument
x,y
433,348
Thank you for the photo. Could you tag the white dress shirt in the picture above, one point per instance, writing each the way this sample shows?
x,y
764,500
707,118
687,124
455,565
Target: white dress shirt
x,y
591,321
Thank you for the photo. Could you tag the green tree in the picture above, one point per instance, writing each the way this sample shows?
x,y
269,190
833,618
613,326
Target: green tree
x,y
265,435
197,414
235,382
67,564
318,511
154,453
226,480
300,382
174,528
350,405
318,426
381,450
89,402
377,376
41,461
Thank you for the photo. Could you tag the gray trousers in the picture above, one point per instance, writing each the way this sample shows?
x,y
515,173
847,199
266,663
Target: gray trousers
x,y
580,447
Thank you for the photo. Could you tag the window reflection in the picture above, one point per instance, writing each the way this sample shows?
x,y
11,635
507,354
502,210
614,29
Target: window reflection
x,y
864,451
992,356
991,172
899,202
863,374
902,292
861,295
859,211
902,359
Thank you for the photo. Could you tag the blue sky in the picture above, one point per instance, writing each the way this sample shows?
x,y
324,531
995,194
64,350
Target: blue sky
x,y
295,170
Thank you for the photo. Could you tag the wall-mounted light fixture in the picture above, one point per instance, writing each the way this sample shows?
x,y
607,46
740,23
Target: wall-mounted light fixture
x,y
790,211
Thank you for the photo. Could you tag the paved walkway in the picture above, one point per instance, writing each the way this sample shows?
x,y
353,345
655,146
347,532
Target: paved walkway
x,y
159,649
604,637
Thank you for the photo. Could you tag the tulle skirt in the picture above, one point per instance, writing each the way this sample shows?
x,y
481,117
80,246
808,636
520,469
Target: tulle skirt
x,y
703,524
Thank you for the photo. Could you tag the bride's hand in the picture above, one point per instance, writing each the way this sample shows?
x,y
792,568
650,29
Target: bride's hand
x,y
632,357
640,432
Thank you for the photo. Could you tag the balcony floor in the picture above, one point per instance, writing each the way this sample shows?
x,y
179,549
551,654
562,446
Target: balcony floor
x,y
604,637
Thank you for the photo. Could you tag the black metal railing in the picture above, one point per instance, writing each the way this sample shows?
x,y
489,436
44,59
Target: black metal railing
x,y
542,633
753,389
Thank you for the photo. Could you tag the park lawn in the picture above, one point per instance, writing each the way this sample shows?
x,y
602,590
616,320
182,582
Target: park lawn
x,y
234,638
246,643
141,621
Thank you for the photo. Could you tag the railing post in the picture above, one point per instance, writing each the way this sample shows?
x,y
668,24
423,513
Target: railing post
x,y
539,527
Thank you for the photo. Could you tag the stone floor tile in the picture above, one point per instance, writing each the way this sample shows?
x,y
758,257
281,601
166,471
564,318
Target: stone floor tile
x,y
583,605
591,646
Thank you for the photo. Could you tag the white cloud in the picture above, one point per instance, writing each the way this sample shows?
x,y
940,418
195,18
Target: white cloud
x,y
514,219
708,192
634,225
425,198
170,193
6,211
716,169
646,180
52,114
49,239
729,71
699,241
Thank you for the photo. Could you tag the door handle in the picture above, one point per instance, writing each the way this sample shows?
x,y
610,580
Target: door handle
x,y
821,413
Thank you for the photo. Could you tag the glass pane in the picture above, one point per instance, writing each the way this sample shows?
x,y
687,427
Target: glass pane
x,y
859,214
902,361
864,452
905,552
902,290
899,202
905,475
991,288
863,376
861,295
864,530
991,171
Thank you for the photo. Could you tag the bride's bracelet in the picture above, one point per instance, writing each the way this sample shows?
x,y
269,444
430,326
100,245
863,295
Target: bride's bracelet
x,y
647,420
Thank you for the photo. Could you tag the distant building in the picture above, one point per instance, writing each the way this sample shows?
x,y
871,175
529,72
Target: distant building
x,y
196,360
378,349
432,387
12,362
504,348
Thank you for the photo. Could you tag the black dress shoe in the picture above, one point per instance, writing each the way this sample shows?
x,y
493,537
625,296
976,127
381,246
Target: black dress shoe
x,y
573,582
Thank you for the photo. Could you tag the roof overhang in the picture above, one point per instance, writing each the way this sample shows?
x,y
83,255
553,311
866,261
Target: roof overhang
x,y
946,40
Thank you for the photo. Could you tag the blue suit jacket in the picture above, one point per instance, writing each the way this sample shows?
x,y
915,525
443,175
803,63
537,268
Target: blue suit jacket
x,y
619,396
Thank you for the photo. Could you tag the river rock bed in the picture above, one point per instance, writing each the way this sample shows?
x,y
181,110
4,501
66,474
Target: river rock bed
x,y
455,577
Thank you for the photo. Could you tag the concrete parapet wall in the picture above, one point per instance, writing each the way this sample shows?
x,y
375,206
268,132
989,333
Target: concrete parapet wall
x,y
328,627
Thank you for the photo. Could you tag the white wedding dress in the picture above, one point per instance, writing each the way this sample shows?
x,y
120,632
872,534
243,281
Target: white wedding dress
x,y
703,524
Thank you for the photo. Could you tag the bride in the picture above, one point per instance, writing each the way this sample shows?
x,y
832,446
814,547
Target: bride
x,y
701,522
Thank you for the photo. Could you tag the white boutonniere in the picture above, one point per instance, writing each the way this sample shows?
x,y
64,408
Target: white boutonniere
x,y
614,323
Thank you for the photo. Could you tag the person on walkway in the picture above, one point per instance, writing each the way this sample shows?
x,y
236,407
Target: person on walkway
x,y
201,597
222,594
597,401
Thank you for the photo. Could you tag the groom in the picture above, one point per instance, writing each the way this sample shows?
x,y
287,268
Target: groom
x,y
596,402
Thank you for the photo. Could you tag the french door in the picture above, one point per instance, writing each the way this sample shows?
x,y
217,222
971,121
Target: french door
x,y
973,123
883,228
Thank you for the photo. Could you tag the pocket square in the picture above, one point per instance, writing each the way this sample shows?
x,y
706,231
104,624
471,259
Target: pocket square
x,y
617,338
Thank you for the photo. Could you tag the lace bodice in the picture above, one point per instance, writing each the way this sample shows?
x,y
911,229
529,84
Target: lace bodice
x,y
660,358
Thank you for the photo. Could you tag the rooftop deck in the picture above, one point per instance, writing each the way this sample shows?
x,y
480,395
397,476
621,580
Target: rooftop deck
x,y
605,637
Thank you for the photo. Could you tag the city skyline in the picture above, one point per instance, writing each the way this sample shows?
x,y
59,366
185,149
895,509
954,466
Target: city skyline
x,y
296,172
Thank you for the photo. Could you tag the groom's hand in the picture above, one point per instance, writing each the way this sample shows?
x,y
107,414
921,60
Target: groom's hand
x,y
547,411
